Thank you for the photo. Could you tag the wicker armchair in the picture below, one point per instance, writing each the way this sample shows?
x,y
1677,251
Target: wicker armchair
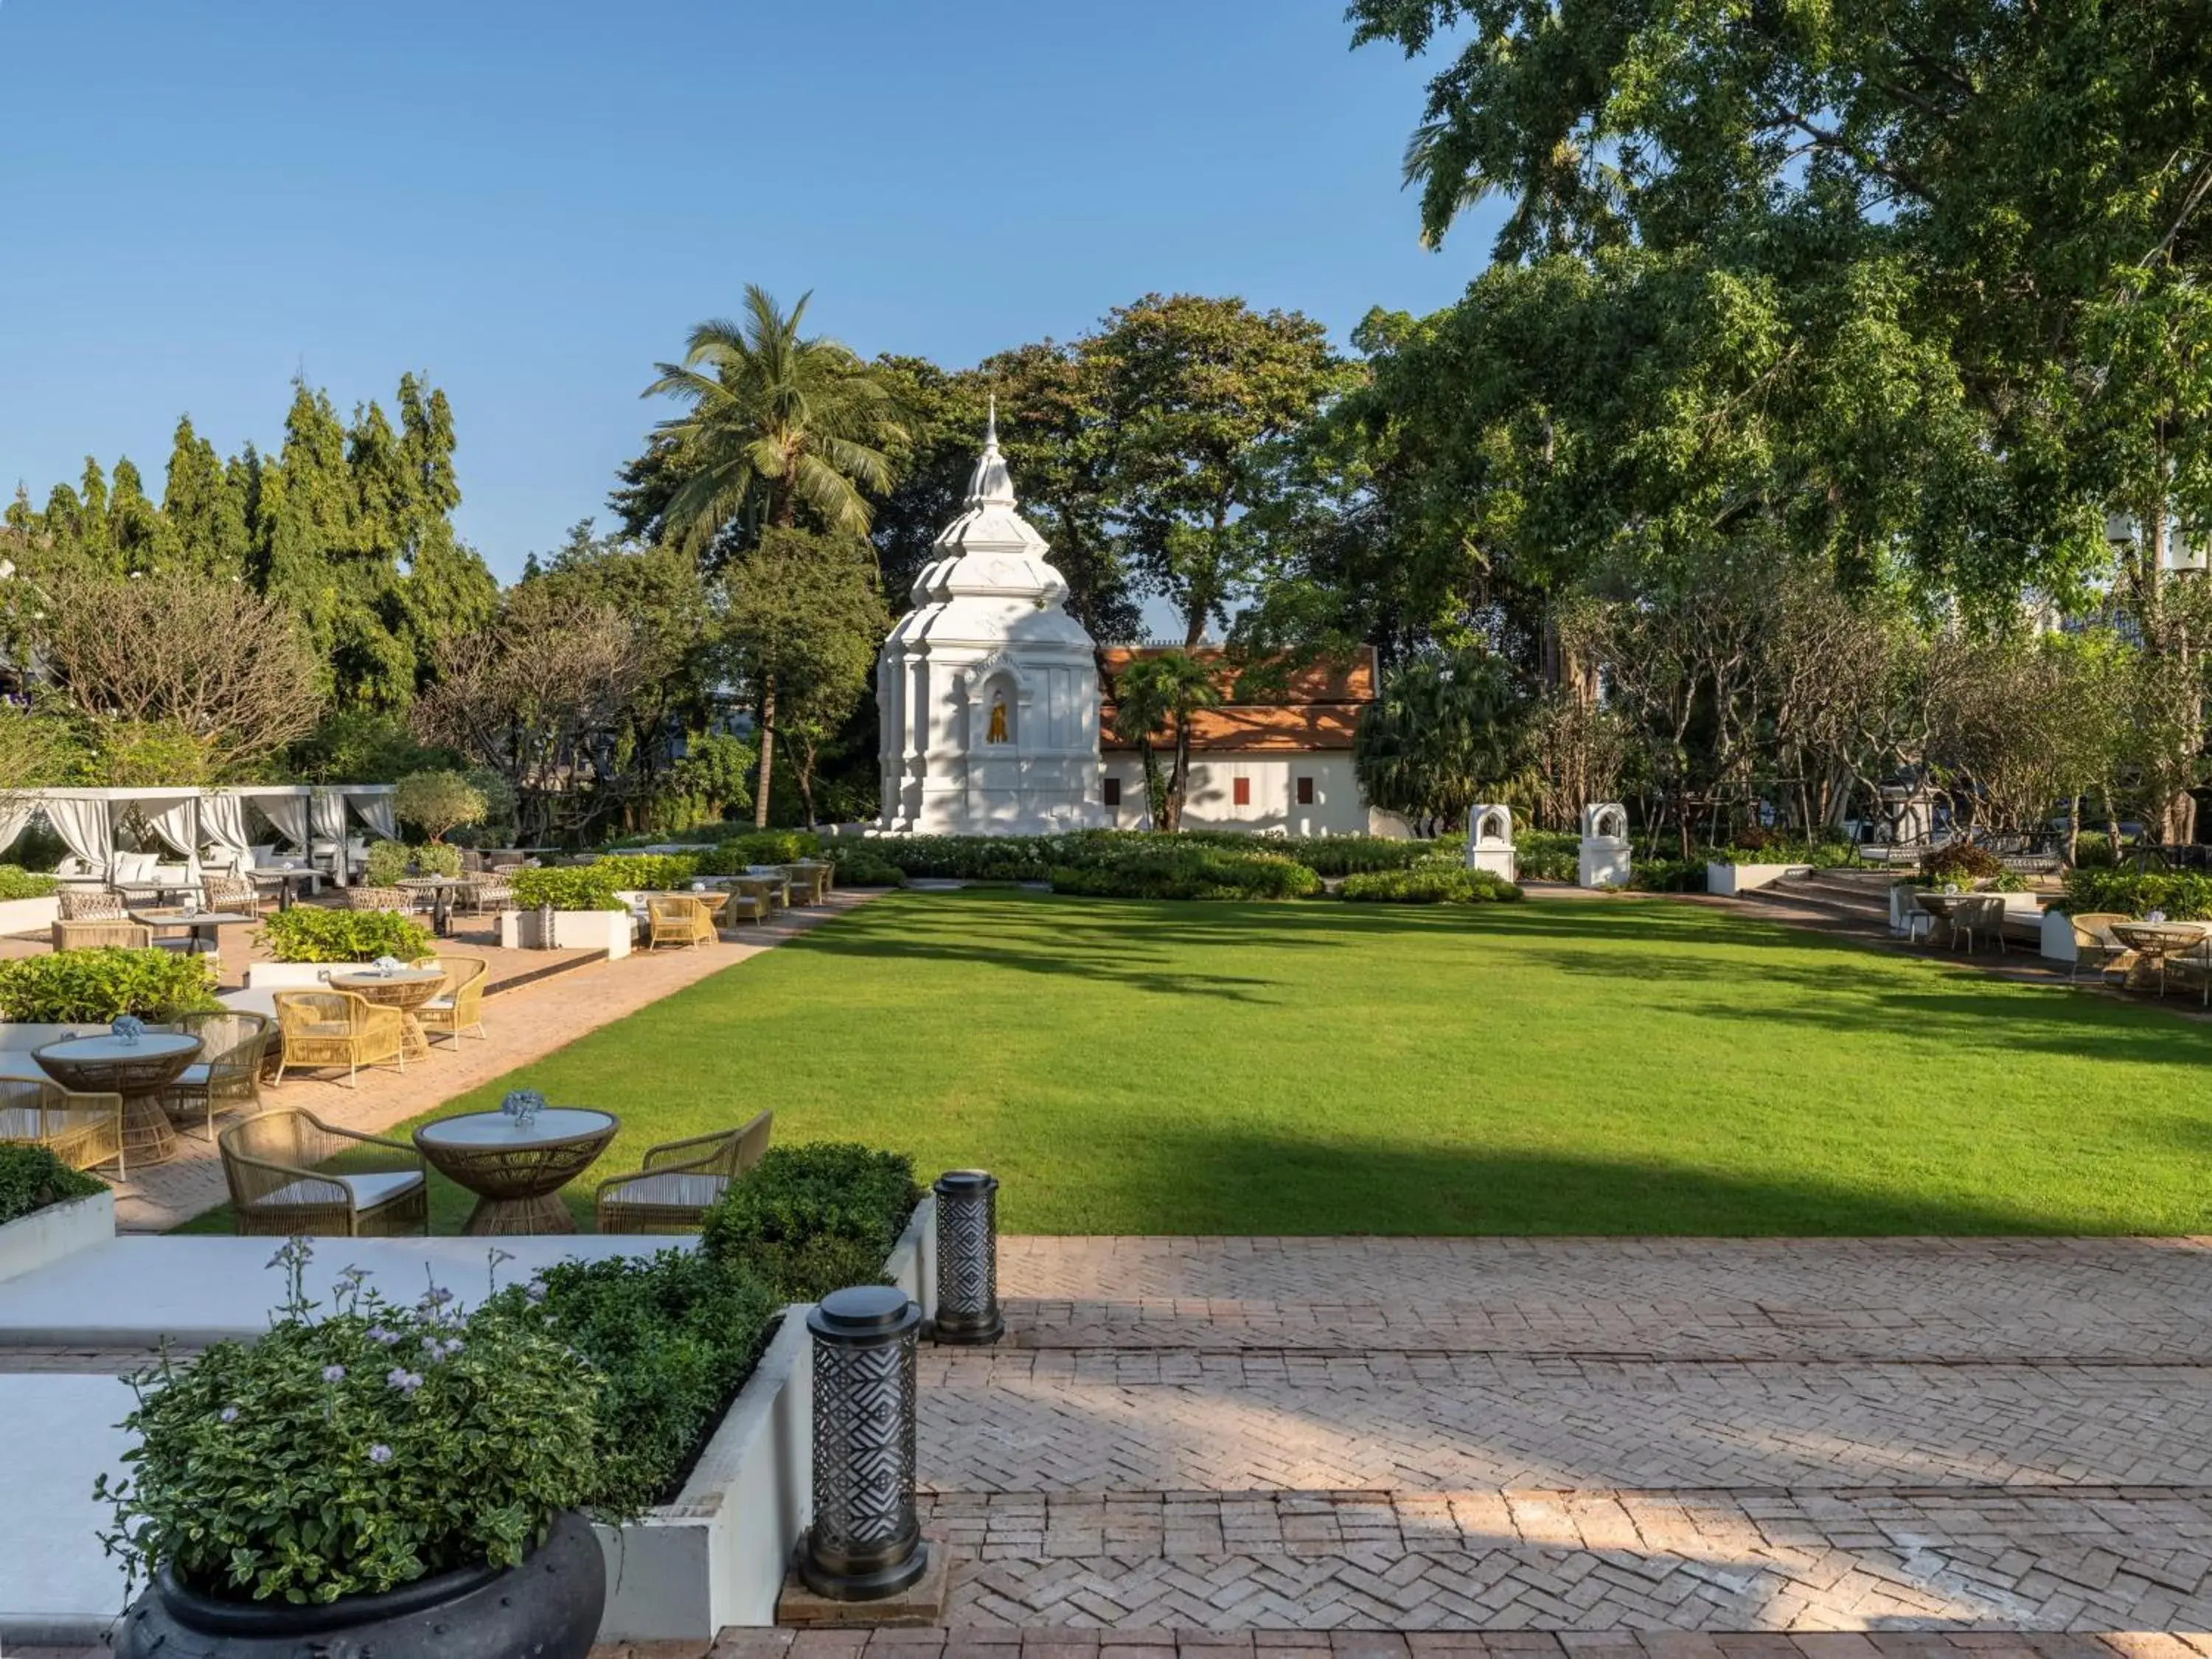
x,y
680,1180
458,1010
488,895
226,1077
677,919
745,906
2096,946
91,935
91,904
273,1164
375,899
1982,916
337,1028
81,1130
232,895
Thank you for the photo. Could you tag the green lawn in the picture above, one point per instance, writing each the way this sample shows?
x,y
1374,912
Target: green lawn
x,y
1564,1066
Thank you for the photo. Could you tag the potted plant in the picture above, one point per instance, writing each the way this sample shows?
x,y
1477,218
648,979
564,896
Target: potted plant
x,y
306,941
400,1480
581,903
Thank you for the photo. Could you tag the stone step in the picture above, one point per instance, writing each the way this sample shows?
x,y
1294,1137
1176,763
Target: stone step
x,y
2016,1558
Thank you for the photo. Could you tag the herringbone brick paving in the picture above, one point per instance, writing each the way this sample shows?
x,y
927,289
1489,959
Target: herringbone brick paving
x,y
1278,1437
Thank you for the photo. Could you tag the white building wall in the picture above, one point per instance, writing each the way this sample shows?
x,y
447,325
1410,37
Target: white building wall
x,y
1338,808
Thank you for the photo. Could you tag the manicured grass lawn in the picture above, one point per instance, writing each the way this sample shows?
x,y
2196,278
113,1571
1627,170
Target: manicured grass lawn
x,y
1563,1066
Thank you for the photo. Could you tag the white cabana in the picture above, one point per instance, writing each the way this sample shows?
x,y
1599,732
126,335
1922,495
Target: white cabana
x,y
310,818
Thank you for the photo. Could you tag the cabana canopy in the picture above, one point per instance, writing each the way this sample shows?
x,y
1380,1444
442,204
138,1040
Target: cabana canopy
x,y
310,817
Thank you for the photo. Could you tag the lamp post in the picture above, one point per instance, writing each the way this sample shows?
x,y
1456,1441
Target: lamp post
x,y
865,1543
968,1257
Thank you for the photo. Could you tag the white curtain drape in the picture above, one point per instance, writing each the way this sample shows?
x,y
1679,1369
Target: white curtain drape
x,y
17,812
287,816
82,823
375,811
222,822
326,816
176,824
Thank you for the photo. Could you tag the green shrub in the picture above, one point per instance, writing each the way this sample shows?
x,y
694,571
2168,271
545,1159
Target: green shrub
x,y
570,887
17,882
31,1177
355,1451
1547,854
703,835
649,872
387,862
1188,873
437,858
1437,883
1325,855
732,853
439,802
71,988
813,1218
860,866
308,932
1667,875
673,1338
2183,895
987,858
1961,862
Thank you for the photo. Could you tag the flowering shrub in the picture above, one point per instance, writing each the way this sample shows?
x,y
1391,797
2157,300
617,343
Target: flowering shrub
x,y
102,984
308,932
346,1453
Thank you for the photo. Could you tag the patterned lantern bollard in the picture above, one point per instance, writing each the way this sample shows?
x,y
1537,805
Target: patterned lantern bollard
x,y
866,1541
968,1257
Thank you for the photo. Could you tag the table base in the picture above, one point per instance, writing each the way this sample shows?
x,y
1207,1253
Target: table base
x,y
501,1218
414,1042
149,1137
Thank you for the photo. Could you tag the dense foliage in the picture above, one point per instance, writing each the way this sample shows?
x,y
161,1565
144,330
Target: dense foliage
x,y
72,988
569,887
308,932
17,882
439,802
860,866
32,1178
672,1338
813,1218
1441,883
1170,871
2182,895
1962,862
641,872
350,1450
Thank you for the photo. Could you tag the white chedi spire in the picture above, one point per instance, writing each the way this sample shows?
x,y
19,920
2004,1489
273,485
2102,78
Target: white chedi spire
x,y
991,484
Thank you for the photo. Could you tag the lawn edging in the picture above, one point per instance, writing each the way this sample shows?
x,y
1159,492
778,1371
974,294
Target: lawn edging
x,y
716,1556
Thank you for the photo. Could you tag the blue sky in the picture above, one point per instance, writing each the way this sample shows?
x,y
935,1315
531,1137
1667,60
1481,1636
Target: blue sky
x,y
532,202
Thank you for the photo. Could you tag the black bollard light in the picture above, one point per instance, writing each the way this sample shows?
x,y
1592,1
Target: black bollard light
x,y
865,1543
968,1257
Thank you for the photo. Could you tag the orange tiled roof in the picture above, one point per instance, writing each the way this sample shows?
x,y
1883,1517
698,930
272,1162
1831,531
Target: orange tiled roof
x,y
1318,709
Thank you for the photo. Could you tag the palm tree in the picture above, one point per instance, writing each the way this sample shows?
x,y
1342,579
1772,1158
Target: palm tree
x,y
1157,691
777,422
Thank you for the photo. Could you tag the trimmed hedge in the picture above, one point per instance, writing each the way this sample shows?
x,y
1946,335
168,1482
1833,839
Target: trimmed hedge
x,y
813,1218
1325,855
649,872
569,887
2183,895
308,932
733,854
1430,885
1188,873
83,988
859,866
17,882
33,1178
673,1337
1547,854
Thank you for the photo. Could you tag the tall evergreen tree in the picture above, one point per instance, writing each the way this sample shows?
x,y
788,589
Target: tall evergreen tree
x,y
205,506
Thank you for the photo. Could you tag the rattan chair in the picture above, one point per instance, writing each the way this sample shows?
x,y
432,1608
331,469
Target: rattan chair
x,y
273,1164
375,899
677,919
337,1028
91,904
82,1131
745,906
232,895
226,1077
680,1180
95,935
1981,916
458,1009
2096,945
487,895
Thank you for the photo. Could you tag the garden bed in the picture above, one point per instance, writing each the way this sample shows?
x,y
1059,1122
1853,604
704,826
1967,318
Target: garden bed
x,y
47,1210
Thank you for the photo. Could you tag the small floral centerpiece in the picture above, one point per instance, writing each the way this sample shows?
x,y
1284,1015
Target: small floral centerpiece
x,y
520,1107
1950,886
127,1029
2154,915
388,966
353,1450
698,887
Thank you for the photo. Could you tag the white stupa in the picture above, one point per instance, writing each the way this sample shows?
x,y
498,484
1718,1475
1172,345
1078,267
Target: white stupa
x,y
988,688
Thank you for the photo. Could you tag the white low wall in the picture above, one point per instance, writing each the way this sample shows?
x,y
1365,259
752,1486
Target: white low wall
x,y
1729,879
24,1035
913,1263
2058,938
32,915
295,976
59,1229
573,929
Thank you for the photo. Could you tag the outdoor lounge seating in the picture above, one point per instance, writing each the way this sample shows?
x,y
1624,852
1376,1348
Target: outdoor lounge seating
x,y
92,935
337,1028
745,906
458,1010
680,1180
226,1077
488,895
375,899
677,919
1979,917
91,904
278,1186
83,1130
2096,946
234,894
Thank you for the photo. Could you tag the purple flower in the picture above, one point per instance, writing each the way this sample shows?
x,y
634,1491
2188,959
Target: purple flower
x,y
435,1297
333,1373
228,1413
379,1454
406,1382
378,1334
536,1291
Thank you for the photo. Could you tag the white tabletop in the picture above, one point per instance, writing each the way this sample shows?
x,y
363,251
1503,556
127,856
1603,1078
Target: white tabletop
x,y
115,1047
400,976
194,919
497,1129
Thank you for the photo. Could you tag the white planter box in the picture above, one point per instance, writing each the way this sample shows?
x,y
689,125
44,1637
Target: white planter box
x,y
295,976
573,929
29,916
717,1556
21,1036
48,1235
1729,879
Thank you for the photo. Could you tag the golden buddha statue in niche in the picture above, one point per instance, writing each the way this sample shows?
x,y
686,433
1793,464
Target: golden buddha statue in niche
x,y
998,732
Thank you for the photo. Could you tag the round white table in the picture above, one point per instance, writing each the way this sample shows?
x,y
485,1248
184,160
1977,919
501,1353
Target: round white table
x,y
137,1071
404,988
516,1171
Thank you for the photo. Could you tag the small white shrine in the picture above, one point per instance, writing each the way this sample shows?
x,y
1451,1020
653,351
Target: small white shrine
x,y
987,688
1490,839
1604,856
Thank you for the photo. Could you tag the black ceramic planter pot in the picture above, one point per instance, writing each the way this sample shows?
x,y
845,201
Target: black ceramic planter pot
x,y
548,1608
